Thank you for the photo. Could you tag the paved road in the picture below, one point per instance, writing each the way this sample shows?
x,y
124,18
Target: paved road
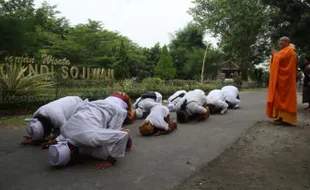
x,y
154,163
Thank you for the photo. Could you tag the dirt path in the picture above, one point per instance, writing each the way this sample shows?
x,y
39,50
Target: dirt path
x,y
266,157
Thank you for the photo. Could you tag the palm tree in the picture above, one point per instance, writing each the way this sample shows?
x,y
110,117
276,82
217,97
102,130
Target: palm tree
x,y
15,82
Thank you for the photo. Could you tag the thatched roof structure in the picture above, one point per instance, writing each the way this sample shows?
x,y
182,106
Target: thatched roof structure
x,y
229,65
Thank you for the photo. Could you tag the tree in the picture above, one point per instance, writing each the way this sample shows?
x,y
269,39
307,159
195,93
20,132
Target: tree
x,y
290,18
236,23
184,41
121,65
153,56
195,59
16,25
164,68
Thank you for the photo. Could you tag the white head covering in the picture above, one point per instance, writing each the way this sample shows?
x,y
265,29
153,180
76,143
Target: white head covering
x,y
139,113
171,107
59,154
35,129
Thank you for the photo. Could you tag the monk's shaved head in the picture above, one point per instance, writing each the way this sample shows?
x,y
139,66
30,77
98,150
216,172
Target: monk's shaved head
x,y
284,42
284,38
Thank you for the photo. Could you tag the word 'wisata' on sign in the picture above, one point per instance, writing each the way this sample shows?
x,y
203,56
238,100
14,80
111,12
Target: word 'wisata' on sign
x,y
50,60
73,72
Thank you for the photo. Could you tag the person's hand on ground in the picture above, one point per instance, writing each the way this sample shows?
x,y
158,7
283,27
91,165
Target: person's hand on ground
x,y
173,124
48,143
163,132
195,121
236,107
27,140
103,165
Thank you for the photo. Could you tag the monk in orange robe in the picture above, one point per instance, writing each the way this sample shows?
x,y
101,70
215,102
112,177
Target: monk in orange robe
x,y
282,95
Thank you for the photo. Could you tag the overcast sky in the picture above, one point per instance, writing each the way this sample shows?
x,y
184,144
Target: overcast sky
x,y
144,21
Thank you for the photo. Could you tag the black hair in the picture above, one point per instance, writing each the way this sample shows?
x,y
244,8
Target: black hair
x,y
46,124
213,109
145,114
184,104
308,58
75,156
230,105
182,116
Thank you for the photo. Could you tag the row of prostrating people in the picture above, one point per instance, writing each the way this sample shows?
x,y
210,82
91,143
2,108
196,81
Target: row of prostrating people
x,y
95,128
191,106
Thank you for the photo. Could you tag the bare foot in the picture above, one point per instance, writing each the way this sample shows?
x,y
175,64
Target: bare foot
x,y
277,122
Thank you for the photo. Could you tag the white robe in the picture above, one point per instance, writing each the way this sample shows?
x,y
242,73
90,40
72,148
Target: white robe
x,y
157,115
148,103
195,101
59,111
231,93
96,129
174,99
117,151
217,99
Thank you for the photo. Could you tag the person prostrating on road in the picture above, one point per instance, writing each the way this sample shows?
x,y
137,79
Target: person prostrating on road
x,y
94,130
174,99
158,122
145,103
231,94
193,107
216,102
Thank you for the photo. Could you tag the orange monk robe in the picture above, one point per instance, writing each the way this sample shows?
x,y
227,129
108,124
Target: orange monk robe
x,y
282,95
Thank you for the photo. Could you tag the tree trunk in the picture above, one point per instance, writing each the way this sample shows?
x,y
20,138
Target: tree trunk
x,y
203,66
244,74
244,70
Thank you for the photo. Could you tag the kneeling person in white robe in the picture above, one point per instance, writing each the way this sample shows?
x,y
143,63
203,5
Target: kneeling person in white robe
x,y
216,102
231,94
96,129
175,98
158,122
193,107
145,103
119,99
49,118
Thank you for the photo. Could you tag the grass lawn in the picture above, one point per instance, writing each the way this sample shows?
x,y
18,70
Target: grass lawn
x,y
14,121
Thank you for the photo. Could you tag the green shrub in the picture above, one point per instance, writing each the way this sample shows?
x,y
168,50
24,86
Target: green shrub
x,y
260,77
94,93
152,83
77,83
